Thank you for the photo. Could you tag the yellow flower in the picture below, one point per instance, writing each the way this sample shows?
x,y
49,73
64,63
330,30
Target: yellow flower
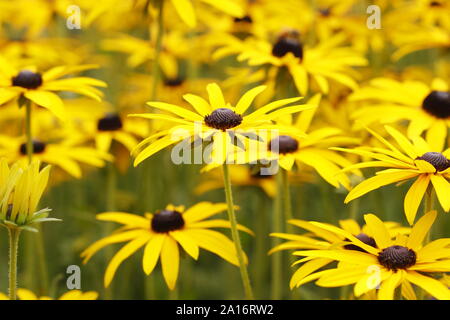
x,y
64,153
409,161
38,87
321,238
312,150
20,192
426,107
321,63
25,294
162,233
393,263
216,120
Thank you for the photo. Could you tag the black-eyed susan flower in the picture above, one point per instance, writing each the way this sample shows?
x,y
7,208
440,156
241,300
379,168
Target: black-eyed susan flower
x,y
320,238
430,167
25,294
66,154
312,150
39,87
426,107
400,262
326,61
217,121
162,233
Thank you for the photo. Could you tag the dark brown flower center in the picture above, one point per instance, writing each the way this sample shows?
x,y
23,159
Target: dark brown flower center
x,y
38,147
174,82
286,43
244,19
283,145
363,238
27,79
435,4
437,159
325,12
223,119
437,103
397,257
110,122
167,220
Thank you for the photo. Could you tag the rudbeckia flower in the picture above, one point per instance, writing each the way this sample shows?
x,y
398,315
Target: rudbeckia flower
x,y
430,167
20,192
39,87
162,233
65,154
400,262
225,124
312,150
389,101
326,61
25,294
320,238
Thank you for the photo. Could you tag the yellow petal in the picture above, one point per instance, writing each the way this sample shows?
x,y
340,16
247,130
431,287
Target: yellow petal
x,y
420,230
442,188
432,286
170,260
47,100
151,252
414,197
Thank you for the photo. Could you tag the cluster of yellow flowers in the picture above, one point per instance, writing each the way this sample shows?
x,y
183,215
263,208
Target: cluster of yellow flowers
x,y
266,93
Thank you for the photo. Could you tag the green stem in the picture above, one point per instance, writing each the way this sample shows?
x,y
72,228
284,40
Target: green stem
x,y
277,275
158,47
40,239
111,183
429,199
14,234
235,234
28,130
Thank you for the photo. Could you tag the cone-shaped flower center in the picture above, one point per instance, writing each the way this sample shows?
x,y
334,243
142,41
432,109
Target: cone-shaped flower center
x,y
363,238
167,220
223,119
38,147
173,82
288,42
397,257
27,79
437,103
283,145
437,159
110,122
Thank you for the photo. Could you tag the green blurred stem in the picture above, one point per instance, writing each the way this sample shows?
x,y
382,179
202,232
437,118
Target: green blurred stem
x,y
28,130
158,47
277,275
111,185
14,234
40,238
235,234
286,194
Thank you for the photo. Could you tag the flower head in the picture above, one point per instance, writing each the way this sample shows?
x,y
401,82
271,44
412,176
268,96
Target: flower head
x,y
402,261
20,192
162,233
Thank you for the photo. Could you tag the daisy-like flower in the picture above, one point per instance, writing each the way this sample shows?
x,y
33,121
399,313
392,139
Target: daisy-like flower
x,y
321,63
320,238
402,261
430,167
312,150
216,120
20,192
65,154
25,294
162,233
39,87
426,107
